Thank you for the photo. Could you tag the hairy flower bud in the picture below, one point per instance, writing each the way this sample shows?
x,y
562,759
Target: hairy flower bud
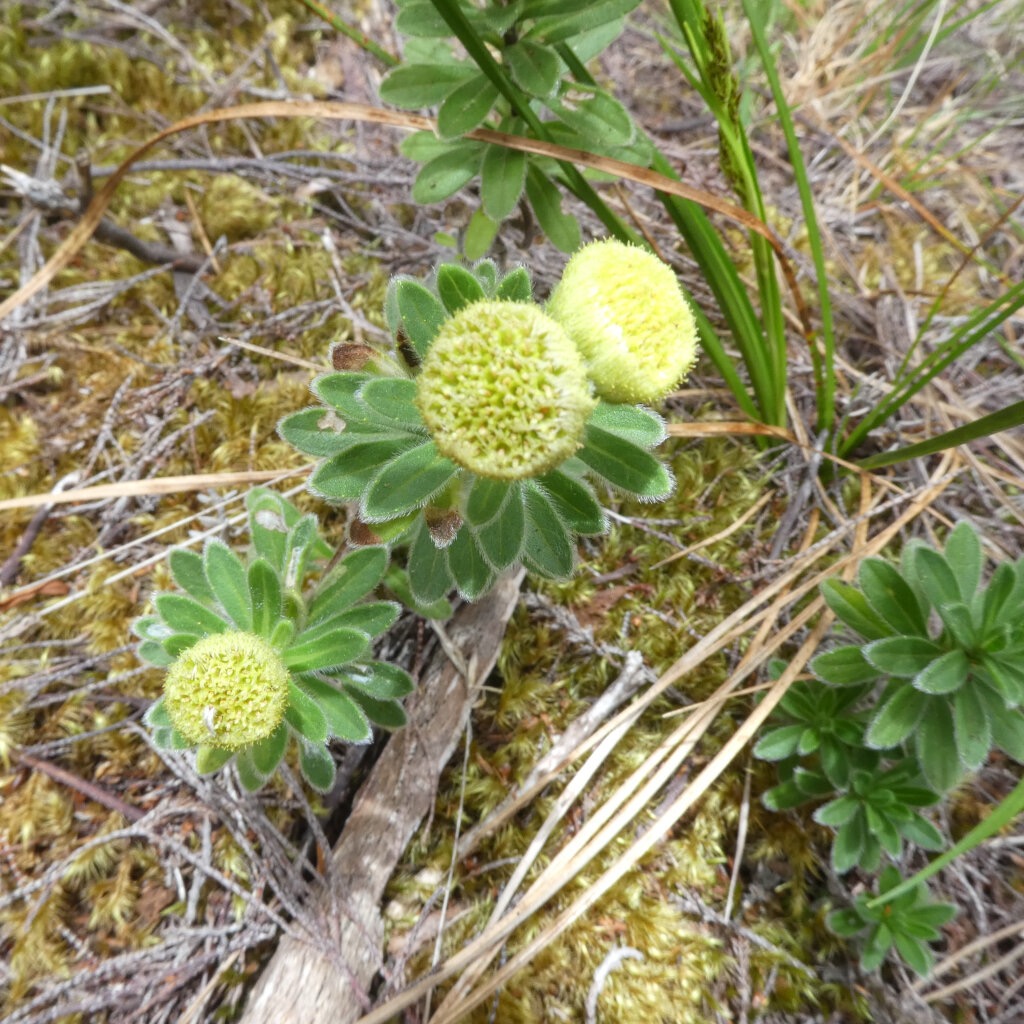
x,y
503,391
228,690
624,309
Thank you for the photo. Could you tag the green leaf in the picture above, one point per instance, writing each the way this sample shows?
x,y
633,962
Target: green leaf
x,y
964,556
921,832
341,392
574,502
778,744
601,121
902,656
935,577
846,923
407,483
317,766
315,650
515,286
414,86
479,235
897,718
501,540
184,615
187,570
265,594
211,759
1008,733
421,313
1007,677
848,845
458,287
890,595
446,174
845,666
157,717
429,577
304,715
996,598
311,432
344,718
548,550
534,67
915,953
392,402
345,476
388,714
466,563
564,23
935,744
351,579
267,754
372,618
639,426
562,229
624,465
837,812
851,606
422,19
486,498
154,654
466,107
956,617
248,774
227,578
381,680
945,674
502,179
972,728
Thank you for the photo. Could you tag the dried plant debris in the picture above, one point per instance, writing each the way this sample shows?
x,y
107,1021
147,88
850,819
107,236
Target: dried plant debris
x,y
229,263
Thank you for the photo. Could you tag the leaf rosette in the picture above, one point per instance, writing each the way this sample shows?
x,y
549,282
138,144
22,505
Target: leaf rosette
x,y
257,659
488,452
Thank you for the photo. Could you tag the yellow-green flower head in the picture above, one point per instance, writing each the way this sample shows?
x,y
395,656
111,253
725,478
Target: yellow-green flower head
x,y
504,391
227,691
624,308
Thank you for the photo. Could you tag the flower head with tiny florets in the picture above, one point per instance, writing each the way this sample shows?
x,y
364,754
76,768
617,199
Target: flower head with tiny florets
x,y
503,391
228,690
624,309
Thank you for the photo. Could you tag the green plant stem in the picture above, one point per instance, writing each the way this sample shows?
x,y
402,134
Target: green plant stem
x,y
1005,812
477,49
387,59
824,363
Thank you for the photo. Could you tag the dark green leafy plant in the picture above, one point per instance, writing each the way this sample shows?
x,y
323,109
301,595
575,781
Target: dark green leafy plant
x,y
478,444
951,651
256,658
521,59
909,922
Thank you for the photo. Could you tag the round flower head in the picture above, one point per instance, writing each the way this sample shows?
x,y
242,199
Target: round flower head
x,y
504,391
624,309
228,691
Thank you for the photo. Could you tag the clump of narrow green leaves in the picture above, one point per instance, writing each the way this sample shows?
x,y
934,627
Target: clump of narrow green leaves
x,y
258,655
462,522
909,922
523,59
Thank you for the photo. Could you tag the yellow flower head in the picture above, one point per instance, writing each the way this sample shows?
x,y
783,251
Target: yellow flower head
x,y
503,391
624,309
227,691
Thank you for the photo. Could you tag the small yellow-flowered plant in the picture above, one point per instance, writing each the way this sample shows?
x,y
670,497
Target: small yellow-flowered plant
x,y
503,391
485,453
624,309
258,655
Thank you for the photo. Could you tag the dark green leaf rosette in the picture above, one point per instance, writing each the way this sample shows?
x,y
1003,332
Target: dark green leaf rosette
x,y
257,657
487,451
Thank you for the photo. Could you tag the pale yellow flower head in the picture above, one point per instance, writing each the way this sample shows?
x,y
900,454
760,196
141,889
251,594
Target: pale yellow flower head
x,y
504,391
227,691
624,309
